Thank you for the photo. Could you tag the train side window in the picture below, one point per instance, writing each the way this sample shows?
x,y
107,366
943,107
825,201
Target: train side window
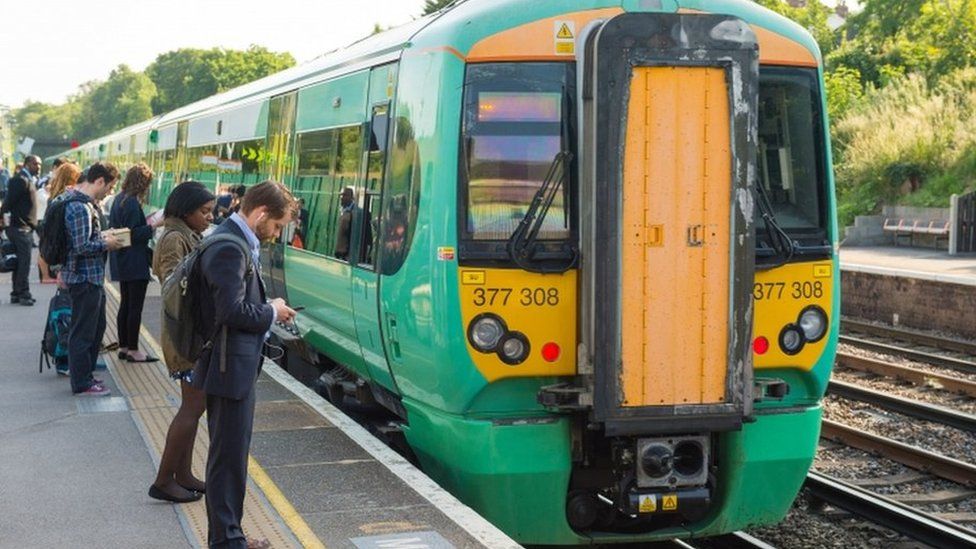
x,y
375,166
315,187
349,159
400,197
201,165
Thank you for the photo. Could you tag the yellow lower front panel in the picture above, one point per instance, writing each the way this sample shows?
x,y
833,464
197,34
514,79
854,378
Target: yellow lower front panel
x,y
542,307
675,238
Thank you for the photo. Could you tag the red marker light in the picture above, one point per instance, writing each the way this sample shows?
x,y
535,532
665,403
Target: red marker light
x,y
550,352
760,345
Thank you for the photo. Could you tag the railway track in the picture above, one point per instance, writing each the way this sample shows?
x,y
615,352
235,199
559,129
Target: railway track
x,y
948,362
905,373
887,512
905,406
906,454
912,336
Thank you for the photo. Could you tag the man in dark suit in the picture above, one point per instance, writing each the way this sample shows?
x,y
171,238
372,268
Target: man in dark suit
x,y
20,206
233,306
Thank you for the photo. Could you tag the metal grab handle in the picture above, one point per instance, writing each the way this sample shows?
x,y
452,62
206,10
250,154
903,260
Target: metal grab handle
x,y
696,236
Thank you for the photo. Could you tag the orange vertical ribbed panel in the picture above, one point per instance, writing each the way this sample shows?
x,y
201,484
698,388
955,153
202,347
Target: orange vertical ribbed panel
x,y
677,188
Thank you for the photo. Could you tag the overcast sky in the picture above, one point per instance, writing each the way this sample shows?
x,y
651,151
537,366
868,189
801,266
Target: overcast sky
x,y
49,47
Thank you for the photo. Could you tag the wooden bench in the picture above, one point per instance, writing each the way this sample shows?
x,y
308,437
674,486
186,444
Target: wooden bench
x,y
909,228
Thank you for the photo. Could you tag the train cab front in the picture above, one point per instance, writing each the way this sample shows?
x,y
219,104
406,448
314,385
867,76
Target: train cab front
x,y
665,392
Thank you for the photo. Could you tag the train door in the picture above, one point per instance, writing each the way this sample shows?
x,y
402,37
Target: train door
x,y
281,127
365,284
670,341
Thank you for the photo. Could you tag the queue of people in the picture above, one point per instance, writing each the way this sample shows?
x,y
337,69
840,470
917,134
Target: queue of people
x,y
222,380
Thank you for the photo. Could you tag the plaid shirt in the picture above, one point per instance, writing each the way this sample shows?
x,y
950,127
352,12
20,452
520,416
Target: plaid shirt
x,y
86,249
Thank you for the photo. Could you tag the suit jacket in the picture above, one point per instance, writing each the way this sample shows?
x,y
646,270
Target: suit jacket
x,y
130,263
229,298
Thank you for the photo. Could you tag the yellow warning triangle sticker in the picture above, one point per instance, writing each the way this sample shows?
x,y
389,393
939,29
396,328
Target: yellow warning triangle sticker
x,y
564,32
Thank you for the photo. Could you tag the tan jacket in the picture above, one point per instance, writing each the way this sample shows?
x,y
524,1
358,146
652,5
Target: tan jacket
x,y
177,241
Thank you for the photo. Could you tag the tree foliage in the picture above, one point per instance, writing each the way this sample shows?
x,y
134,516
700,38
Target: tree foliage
x,y
430,6
187,75
128,97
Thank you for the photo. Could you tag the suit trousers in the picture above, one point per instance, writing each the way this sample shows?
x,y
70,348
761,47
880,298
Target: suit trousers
x,y
230,422
23,242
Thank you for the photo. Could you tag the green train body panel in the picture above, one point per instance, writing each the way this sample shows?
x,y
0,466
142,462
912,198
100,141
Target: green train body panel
x,y
521,487
491,444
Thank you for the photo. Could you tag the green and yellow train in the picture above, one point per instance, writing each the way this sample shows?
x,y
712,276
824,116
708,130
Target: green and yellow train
x,y
587,251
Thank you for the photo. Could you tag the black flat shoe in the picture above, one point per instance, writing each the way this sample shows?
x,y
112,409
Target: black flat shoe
x,y
200,490
123,355
156,493
149,358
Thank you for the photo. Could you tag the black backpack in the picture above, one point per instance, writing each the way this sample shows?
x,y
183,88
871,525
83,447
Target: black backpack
x,y
54,344
54,242
180,301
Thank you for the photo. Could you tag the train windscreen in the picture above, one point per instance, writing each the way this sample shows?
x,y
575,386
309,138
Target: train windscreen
x,y
515,125
791,157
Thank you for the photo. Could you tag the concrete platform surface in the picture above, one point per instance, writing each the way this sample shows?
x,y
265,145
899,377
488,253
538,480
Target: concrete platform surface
x,y
74,471
927,264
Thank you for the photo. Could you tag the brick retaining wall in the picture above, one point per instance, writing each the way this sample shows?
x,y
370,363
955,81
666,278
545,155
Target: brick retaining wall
x,y
919,303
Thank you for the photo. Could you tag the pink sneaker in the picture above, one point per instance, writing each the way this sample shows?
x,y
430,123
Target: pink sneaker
x,y
95,390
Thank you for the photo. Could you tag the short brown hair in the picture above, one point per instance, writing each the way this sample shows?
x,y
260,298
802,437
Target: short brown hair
x,y
137,180
105,170
272,195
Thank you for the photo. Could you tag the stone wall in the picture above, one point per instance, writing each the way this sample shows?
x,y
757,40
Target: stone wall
x,y
910,302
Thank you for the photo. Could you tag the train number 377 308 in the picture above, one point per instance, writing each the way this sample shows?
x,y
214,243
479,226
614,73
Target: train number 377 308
x,y
793,290
527,297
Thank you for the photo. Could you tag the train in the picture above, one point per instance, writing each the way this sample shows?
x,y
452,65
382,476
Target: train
x,y
585,251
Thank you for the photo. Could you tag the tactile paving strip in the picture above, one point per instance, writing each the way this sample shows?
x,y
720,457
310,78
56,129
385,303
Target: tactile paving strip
x,y
154,399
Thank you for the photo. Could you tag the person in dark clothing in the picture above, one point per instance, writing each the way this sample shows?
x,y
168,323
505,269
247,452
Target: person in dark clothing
x,y
83,274
20,206
233,305
130,266
188,213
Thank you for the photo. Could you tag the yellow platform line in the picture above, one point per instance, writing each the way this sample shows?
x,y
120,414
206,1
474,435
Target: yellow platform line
x,y
272,494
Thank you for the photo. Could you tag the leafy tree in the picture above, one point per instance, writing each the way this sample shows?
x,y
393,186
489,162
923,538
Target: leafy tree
x,y
812,16
122,100
430,6
187,75
49,125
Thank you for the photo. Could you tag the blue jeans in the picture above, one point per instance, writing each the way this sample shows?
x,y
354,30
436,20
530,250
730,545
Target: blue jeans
x,y
86,333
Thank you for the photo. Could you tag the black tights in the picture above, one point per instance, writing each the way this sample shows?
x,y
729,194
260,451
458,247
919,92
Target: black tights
x,y
130,312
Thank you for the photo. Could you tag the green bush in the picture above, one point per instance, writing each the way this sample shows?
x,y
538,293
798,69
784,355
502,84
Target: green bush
x,y
908,132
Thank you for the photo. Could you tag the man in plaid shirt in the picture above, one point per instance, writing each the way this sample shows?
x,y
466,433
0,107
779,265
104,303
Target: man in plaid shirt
x,y
83,273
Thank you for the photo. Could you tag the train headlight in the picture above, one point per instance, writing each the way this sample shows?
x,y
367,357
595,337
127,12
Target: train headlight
x,y
813,322
514,349
791,339
485,332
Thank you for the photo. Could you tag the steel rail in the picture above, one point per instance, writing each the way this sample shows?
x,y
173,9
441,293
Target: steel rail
x,y
741,540
906,406
911,375
957,364
899,517
915,336
914,457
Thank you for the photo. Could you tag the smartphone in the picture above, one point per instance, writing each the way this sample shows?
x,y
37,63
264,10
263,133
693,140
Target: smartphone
x,y
298,308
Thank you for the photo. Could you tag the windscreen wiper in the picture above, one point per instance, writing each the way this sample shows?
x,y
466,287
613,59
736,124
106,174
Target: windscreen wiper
x,y
522,244
783,246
